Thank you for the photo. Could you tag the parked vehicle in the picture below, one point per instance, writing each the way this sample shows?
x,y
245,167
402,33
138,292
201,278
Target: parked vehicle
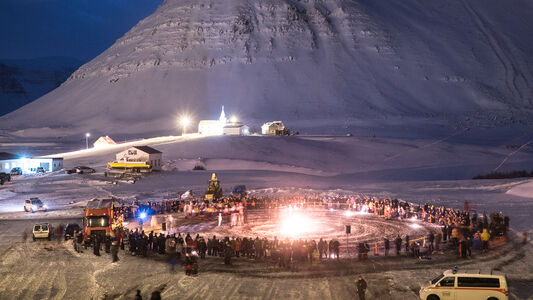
x,y
99,217
40,170
69,230
16,171
4,177
461,285
239,190
34,204
42,231
83,169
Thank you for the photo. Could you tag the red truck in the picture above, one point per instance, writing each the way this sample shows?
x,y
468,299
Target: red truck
x,y
99,217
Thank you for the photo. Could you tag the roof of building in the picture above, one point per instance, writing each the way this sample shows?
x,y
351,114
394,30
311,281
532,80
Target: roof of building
x,y
234,125
105,139
273,123
147,149
8,156
202,122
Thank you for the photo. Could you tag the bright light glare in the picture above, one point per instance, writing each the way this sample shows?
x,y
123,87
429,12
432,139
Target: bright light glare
x,y
87,134
293,225
349,213
415,225
143,215
233,119
185,121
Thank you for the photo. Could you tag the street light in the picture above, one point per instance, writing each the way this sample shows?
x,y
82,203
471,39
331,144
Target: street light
x,y
184,122
87,135
233,119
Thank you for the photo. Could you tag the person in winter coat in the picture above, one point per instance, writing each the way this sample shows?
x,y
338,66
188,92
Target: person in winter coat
x,y
361,288
170,249
387,246
431,240
398,243
485,237
96,245
188,264
238,244
227,254
138,295
161,241
156,295
322,248
107,243
336,248
114,250
202,247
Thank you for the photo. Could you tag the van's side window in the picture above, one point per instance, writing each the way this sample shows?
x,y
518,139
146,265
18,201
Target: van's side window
x,y
478,282
447,281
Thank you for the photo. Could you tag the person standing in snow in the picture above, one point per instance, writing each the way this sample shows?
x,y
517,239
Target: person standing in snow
x,y
398,242
114,250
96,245
485,237
361,288
138,295
107,243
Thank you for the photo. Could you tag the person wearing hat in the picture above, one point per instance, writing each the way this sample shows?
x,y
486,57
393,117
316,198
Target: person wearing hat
x,y
361,288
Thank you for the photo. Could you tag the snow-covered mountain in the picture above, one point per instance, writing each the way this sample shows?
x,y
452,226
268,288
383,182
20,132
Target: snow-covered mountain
x,y
22,81
310,62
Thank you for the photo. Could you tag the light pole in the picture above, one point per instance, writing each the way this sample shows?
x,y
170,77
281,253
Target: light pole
x,y
87,135
184,122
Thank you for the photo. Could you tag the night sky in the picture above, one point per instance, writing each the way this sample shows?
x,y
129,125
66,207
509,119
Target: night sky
x,y
75,28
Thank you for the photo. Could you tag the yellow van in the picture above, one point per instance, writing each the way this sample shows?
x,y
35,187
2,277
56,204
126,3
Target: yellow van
x,y
453,285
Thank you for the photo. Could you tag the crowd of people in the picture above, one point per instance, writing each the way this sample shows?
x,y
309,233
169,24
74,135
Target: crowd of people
x,y
186,249
463,230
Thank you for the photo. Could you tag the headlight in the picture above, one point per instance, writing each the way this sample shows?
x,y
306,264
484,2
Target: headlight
x,y
34,207
45,206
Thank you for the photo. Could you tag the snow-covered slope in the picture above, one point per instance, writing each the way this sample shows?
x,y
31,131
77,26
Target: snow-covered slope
x,y
334,61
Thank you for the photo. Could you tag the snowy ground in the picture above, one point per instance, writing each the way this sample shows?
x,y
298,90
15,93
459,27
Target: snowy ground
x,y
415,170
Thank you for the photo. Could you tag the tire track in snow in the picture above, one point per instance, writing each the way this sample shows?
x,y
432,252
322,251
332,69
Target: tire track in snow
x,y
512,72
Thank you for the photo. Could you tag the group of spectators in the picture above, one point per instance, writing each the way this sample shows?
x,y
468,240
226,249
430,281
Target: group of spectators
x,y
463,229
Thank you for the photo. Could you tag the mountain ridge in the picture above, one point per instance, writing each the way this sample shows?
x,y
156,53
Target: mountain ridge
x,y
302,61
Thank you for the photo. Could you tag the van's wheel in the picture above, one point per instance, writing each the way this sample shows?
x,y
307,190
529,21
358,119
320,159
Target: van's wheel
x,y
492,298
49,237
433,297
33,236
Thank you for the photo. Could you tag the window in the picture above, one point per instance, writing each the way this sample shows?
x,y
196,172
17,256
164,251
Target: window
x,y
447,281
6,166
97,221
437,279
478,282
132,152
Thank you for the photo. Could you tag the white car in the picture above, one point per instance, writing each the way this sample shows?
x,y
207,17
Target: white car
x,y
34,204
452,284
42,231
